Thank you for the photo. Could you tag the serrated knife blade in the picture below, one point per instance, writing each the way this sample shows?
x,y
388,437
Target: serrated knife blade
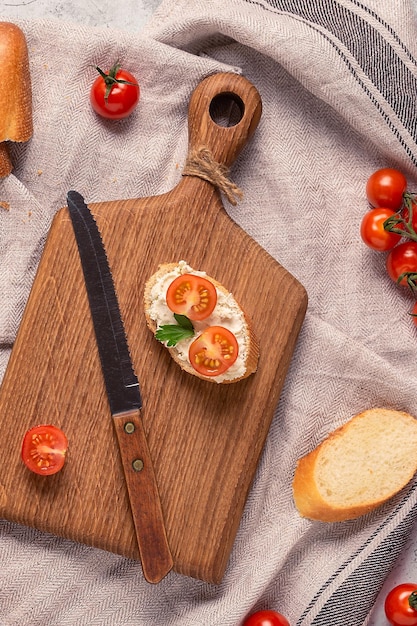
x,y
123,392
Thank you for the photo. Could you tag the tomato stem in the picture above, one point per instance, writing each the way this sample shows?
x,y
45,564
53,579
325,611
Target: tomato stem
x,y
412,600
401,222
111,80
410,278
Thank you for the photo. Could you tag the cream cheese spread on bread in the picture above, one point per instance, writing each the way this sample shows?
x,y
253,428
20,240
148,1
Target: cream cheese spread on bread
x,y
227,313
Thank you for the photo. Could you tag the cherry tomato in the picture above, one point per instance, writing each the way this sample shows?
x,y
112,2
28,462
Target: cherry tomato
x,y
373,233
214,351
44,448
114,95
193,296
402,259
399,605
385,188
266,618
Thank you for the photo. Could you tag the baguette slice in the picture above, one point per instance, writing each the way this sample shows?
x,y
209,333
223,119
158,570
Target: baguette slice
x,y
247,361
16,98
358,467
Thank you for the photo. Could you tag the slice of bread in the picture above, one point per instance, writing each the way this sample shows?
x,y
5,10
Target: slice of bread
x,y
227,313
358,467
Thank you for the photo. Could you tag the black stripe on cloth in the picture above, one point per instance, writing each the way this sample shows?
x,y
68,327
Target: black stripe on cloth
x,y
350,604
353,599
374,54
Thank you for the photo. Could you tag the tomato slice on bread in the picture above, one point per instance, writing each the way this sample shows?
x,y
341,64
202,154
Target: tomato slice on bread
x,y
193,296
214,351
44,448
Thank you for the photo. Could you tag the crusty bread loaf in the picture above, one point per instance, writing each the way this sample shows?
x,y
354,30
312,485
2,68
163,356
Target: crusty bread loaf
x,y
358,467
249,346
15,99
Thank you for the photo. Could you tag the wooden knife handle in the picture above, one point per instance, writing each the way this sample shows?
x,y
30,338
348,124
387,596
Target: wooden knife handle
x,y
143,495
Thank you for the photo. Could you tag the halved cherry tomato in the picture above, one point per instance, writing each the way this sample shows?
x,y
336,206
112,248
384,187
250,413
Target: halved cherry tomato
x,y
401,260
266,618
400,605
193,296
44,448
214,351
385,188
373,232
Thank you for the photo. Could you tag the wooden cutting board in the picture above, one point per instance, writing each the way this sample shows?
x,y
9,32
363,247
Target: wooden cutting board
x,y
205,439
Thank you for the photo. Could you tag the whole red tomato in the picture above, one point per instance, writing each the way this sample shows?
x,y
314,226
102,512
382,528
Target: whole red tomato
x,y
373,232
402,260
114,95
399,603
385,188
266,618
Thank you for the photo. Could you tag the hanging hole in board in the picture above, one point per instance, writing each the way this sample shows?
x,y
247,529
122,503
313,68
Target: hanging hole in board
x,y
226,109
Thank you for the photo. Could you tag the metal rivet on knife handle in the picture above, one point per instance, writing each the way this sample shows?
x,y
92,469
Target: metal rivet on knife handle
x,y
137,465
129,428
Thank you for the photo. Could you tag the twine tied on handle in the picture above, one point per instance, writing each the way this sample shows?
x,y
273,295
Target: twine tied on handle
x,y
201,163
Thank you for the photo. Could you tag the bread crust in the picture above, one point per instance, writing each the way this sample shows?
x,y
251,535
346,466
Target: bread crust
x,y
253,347
5,163
309,499
16,122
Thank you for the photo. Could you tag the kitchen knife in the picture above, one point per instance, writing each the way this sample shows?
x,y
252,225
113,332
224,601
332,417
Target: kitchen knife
x,y
123,393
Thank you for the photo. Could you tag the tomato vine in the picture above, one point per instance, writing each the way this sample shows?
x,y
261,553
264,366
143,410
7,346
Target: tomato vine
x,y
390,225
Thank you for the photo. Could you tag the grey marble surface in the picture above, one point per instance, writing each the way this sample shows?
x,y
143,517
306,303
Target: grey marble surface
x,y
130,15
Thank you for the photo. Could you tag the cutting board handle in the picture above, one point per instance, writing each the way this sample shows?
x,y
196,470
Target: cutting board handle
x,y
222,99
